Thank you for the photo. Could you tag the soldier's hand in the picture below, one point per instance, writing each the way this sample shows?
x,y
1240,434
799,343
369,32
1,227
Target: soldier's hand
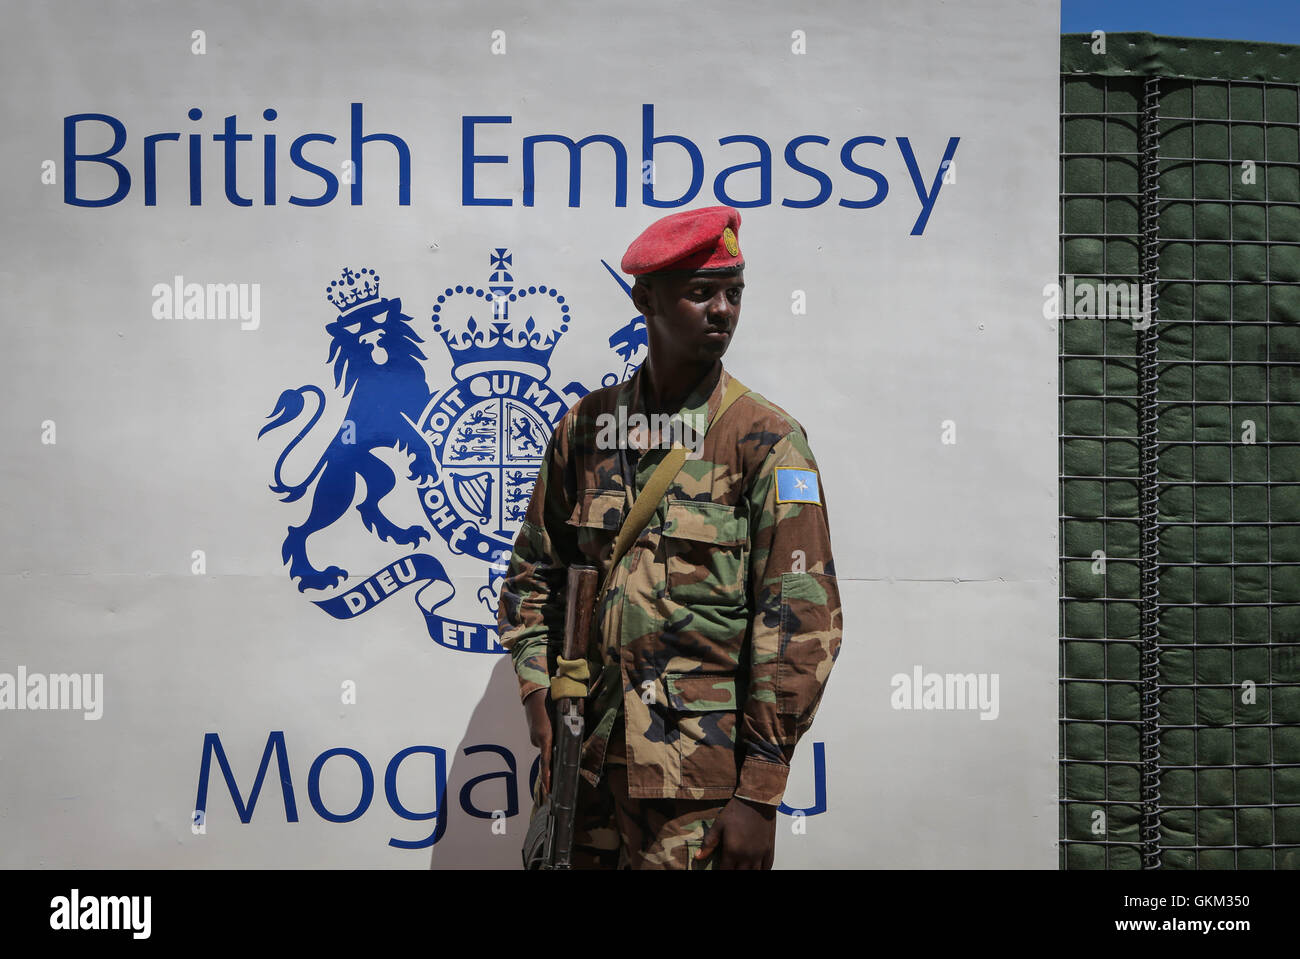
x,y
540,733
746,834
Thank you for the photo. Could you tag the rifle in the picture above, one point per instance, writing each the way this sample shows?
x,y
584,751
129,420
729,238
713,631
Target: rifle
x,y
553,825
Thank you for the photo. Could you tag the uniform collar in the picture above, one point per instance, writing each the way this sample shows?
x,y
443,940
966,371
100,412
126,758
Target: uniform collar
x,y
699,407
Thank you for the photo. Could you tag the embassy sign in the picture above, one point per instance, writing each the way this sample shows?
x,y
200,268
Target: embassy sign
x,y
239,778
825,171
474,444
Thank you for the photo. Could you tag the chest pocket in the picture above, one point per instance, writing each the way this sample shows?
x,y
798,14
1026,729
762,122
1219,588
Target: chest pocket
x,y
597,518
706,552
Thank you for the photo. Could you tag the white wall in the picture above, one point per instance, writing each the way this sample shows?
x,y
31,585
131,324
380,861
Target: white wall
x,y
946,552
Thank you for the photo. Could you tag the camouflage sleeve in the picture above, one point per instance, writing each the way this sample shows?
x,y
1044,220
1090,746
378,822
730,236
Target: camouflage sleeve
x,y
796,630
530,616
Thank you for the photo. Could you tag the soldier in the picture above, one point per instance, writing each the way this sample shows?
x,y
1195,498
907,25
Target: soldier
x,y
720,624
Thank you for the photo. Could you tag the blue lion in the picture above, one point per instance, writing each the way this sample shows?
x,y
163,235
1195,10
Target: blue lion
x,y
376,357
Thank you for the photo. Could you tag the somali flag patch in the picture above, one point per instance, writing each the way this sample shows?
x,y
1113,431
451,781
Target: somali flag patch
x,y
795,485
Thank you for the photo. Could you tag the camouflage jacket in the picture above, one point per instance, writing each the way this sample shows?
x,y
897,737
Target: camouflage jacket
x,y
722,621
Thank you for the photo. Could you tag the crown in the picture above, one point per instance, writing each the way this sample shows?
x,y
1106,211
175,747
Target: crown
x,y
476,324
351,289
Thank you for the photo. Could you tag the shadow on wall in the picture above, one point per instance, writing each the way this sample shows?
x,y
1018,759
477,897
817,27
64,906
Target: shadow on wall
x,y
489,771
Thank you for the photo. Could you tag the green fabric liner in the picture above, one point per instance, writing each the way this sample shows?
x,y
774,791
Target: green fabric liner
x,y
1147,55
1244,232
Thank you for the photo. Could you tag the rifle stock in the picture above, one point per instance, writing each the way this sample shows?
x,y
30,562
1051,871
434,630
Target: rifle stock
x,y
567,719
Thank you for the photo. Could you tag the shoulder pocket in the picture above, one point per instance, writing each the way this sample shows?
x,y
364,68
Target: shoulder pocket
x,y
706,550
598,509
811,634
596,520
705,523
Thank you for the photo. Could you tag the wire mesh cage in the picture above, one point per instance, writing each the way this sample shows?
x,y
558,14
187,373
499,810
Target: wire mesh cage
x,y
1180,454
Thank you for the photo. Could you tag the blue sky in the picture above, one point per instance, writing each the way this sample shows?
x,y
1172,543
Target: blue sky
x,y
1273,21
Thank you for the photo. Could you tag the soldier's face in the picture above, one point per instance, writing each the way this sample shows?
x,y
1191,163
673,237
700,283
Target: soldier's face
x,y
691,317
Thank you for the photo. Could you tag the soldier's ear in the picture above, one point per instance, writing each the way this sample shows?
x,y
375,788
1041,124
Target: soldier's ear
x,y
641,298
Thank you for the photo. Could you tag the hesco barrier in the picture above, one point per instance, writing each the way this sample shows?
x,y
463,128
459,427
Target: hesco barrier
x,y
1180,453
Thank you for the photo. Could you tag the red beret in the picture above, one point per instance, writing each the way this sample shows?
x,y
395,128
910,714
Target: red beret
x,y
703,239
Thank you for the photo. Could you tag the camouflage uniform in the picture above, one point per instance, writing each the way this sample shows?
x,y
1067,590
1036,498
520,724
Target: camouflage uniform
x,y
720,625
